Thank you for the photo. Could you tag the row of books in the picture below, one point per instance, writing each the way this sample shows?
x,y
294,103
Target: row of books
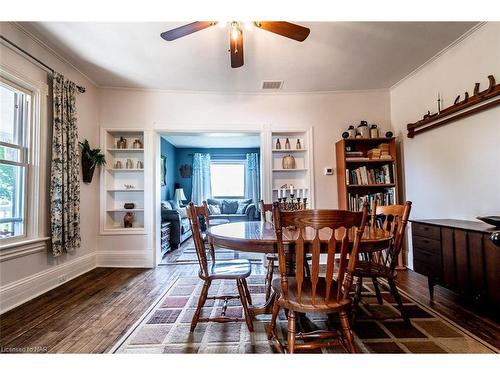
x,y
364,176
355,201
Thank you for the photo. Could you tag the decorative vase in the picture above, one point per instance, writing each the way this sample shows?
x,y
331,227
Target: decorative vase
x,y
128,220
278,144
87,169
298,146
287,144
288,162
121,143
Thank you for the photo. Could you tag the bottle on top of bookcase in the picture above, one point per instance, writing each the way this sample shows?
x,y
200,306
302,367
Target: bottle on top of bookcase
x,y
278,144
287,144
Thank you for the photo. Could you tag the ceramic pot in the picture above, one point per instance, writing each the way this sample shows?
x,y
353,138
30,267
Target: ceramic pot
x,y
373,131
363,130
288,162
87,169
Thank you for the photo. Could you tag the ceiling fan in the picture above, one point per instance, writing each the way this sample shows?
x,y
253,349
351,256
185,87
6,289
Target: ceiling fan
x,y
286,29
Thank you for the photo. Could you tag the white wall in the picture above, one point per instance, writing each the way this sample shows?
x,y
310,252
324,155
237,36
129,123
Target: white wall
x,y
28,269
328,115
452,171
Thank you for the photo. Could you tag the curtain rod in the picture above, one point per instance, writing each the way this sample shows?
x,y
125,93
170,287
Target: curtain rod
x,y
81,89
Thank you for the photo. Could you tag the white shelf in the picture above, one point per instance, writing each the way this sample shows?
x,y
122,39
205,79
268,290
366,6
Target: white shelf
x,y
288,188
290,150
125,169
125,210
124,190
125,150
290,170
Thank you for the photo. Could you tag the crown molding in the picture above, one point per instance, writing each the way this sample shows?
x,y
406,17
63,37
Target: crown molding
x,y
450,46
57,55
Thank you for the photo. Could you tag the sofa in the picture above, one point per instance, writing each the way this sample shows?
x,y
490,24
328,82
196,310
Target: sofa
x,y
232,210
180,229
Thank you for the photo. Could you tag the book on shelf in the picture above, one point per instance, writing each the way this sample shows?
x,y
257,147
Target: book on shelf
x,y
357,158
373,176
355,201
354,153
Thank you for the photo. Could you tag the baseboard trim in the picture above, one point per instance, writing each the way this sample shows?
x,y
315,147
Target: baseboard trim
x,y
21,291
126,258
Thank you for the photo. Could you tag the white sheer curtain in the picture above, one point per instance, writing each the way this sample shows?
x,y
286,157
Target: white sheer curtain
x,y
201,188
252,179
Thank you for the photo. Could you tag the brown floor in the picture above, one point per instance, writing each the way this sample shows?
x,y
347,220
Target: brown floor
x,y
90,313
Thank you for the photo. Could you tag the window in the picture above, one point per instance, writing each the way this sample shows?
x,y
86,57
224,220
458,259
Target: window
x,y
228,179
15,116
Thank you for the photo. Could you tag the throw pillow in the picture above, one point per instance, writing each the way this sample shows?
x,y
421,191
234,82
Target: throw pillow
x,y
214,202
182,211
229,206
214,209
242,206
166,205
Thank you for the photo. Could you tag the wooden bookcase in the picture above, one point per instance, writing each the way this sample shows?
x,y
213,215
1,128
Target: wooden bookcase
x,y
346,188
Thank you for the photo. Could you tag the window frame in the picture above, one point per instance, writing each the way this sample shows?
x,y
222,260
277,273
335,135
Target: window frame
x,y
29,155
230,162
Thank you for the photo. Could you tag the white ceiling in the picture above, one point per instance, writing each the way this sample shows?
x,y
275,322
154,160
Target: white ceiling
x,y
335,56
214,140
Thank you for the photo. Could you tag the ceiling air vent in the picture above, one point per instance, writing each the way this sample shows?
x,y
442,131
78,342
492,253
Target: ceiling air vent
x,y
272,85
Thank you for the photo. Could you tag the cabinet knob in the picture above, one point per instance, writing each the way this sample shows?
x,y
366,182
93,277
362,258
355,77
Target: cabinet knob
x,y
495,238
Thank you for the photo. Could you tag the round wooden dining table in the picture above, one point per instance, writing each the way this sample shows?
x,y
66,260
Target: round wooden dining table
x,y
260,237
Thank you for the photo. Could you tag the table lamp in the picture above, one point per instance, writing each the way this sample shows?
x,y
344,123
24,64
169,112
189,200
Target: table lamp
x,y
179,196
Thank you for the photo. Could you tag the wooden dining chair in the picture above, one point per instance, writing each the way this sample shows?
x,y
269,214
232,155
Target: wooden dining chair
x,y
328,294
382,264
234,269
273,258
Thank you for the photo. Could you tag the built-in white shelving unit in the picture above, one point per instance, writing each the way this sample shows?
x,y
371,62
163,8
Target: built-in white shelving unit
x,y
122,185
302,176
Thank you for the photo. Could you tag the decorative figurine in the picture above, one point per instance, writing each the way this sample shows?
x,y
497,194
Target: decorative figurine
x,y
137,144
129,186
121,143
128,220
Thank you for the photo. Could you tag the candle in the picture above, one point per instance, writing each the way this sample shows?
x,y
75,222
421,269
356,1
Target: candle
x,y
283,193
291,189
279,193
298,193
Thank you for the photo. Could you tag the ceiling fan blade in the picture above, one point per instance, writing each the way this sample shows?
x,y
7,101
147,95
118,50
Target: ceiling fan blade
x,y
236,48
287,29
186,30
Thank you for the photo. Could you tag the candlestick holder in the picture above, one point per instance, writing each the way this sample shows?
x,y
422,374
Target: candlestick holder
x,y
292,204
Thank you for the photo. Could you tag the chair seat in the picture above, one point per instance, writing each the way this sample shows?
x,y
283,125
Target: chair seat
x,y
306,304
370,269
229,269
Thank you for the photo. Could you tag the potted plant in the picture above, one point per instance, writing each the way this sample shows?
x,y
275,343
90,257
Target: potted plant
x,y
91,158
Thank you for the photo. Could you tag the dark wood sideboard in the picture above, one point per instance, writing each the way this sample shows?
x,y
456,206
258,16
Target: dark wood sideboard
x,y
460,256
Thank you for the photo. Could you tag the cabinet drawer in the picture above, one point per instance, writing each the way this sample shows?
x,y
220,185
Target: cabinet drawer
x,y
428,231
427,244
426,268
426,256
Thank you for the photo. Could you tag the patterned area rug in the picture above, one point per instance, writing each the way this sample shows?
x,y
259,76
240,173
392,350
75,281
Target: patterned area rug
x,y
164,328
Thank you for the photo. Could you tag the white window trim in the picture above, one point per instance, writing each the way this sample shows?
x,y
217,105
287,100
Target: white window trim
x,y
31,240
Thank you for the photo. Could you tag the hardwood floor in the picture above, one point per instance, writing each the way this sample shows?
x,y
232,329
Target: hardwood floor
x,y
90,313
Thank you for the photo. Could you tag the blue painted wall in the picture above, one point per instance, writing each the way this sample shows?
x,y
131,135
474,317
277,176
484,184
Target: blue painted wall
x,y
185,156
168,150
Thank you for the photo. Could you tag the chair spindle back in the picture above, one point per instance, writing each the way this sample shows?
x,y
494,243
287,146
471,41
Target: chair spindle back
x,y
193,213
303,229
393,219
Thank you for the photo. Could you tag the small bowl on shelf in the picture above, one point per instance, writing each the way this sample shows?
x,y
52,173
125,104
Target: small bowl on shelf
x,y
491,220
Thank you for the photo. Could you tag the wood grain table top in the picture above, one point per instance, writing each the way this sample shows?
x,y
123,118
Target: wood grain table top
x,y
258,236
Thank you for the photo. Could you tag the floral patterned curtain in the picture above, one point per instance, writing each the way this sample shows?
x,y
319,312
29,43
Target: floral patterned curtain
x,y
65,169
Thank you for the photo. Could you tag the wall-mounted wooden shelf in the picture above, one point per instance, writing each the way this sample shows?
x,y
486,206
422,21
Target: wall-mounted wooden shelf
x,y
467,107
